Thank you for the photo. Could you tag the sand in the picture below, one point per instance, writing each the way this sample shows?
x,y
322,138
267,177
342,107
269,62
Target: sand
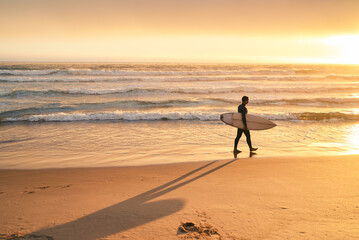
x,y
250,198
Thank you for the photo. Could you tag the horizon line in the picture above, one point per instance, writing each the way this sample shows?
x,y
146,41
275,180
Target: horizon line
x,y
180,62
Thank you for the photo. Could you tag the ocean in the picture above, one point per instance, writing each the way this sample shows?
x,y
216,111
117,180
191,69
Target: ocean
x,y
59,115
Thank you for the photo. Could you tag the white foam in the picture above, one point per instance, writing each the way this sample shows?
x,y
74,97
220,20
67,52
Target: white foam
x,y
187,90
153,78
178,73
279,117
194,116
118,115
28,72
107,72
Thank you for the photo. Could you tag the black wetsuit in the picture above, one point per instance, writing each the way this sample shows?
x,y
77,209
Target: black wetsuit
x,y
243,110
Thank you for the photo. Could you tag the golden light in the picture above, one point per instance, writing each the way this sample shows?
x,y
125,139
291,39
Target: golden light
x,y
353,139
348,47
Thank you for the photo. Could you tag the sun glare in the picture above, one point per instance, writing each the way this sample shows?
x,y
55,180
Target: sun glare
x,y
353,138
348,48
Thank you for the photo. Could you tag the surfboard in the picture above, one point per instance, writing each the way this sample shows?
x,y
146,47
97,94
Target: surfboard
x,y
253,122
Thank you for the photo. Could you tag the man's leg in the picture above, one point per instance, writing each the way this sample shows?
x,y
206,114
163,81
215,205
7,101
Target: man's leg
x,y
249,142
248,136
239,134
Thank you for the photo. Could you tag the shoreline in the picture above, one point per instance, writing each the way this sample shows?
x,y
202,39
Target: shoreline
x,y
249,198
87,144
248,156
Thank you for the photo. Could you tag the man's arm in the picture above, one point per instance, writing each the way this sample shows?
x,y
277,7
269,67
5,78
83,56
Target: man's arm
x,y
243,111
244,120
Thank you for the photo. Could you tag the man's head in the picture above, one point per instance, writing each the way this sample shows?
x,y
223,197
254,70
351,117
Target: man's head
x,y
245,99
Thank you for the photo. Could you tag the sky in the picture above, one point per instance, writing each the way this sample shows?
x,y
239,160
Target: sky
x,y
251,31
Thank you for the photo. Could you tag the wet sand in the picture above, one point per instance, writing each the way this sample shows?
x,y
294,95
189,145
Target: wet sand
x,y
252,198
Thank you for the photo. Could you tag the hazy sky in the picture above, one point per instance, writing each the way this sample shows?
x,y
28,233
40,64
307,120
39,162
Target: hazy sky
x,y
183,30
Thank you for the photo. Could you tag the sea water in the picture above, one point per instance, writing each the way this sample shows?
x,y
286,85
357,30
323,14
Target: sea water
x,y
120,114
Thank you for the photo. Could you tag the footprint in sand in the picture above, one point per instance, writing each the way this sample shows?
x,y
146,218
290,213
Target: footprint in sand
x,y
43,188
29,192
19,236
191,229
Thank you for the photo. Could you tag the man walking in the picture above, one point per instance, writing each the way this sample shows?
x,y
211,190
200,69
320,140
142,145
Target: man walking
x,y
243,110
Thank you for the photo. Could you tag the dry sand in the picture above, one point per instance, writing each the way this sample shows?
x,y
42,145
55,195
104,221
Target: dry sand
x,y
253,198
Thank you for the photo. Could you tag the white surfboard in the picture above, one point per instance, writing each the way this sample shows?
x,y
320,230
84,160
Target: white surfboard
x,y
253,122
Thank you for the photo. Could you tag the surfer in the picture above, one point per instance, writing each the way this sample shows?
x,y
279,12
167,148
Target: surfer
x,y
243,110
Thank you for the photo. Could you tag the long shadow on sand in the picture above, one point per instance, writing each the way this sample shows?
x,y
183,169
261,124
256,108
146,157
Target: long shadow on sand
x,y
128,214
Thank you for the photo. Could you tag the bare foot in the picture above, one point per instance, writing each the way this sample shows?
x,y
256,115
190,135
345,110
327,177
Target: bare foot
x,y
251,154
253,149
236,151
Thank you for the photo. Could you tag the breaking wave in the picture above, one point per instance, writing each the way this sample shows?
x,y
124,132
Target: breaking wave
x,y
219,90
161,116
17,93
117,115
110,72
316,102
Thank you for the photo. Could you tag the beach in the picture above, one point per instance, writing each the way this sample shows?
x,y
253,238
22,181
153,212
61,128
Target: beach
x,y
245,198
138,151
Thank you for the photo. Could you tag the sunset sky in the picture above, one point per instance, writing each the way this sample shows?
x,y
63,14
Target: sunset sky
x,y
260,31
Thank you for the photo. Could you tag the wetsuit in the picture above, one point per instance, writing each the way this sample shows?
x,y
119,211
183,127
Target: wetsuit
x,y
243,110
